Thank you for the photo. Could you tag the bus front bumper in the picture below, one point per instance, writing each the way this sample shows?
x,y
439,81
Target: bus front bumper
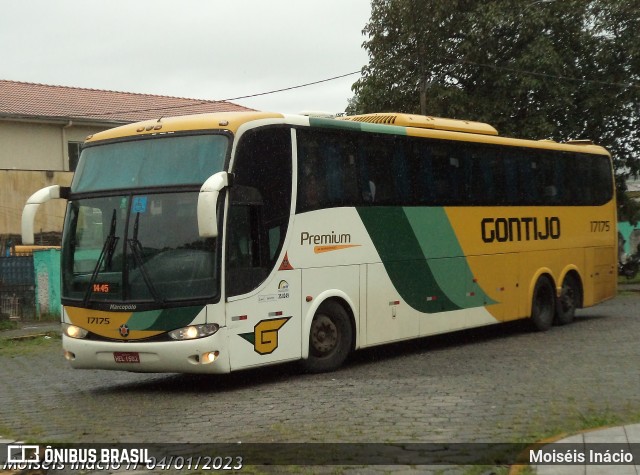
x,y
202,355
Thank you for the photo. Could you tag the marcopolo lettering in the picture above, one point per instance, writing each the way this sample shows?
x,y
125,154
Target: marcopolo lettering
x,y
317,239
520,229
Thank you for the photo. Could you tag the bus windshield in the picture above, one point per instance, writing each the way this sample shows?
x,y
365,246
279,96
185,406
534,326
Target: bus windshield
x,y
137,248
147,162
141,244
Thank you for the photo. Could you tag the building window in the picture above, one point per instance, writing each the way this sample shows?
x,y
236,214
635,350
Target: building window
x,y
74,154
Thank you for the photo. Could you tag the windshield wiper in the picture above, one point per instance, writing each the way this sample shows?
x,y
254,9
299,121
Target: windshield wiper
x,y
138,253
106,256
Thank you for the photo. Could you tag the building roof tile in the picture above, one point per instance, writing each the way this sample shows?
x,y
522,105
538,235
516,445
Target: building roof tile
x,y
30,100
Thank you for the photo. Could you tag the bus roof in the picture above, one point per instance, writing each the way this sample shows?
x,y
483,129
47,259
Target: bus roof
x,y
424,122
387,123
222,121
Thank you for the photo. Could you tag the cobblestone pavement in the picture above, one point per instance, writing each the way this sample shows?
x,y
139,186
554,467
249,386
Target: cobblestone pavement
x,y
496,384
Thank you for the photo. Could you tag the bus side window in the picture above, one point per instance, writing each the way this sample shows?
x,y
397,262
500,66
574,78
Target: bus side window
x,y
456,174
514,193
480,179
601,178
326,170
403,182
332,164
379,179
421,170
441,178
312,174
530,178
549,176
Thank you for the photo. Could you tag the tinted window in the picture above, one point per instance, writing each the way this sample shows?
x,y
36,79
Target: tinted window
x,y
157,161
327,174
409,171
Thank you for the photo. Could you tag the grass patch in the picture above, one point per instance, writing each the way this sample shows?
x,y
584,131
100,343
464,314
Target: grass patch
x,y
20,347
7,325
624,280
49,317
586,420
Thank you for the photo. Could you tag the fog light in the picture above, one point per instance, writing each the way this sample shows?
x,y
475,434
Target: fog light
x,y
73,331
69,356
209,357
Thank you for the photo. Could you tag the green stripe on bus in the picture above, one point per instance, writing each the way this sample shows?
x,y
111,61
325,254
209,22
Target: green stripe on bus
x,y
439,279
397,245
163,320
441,248
357,126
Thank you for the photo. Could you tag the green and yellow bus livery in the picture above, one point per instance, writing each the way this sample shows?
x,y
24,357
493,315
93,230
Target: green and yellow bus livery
x,y
220,242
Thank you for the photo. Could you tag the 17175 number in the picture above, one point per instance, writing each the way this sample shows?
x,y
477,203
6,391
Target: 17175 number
x,y
600,226
98,320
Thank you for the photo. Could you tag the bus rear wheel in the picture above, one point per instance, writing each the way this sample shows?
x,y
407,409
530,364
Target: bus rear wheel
x,y
329,339
568,301
543,305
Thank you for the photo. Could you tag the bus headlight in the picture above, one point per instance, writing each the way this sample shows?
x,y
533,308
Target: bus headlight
x,y
73,331
194,331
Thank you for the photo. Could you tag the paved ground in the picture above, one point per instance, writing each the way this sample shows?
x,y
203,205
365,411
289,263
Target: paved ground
x,y
499,384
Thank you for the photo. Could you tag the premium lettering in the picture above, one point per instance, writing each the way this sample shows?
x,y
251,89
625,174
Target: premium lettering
x,y
319,239
520,229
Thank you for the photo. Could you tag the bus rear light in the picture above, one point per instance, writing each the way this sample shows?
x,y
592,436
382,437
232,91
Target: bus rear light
x,y
73,331
194,331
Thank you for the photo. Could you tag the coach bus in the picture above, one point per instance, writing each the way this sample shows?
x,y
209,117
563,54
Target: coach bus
x,y
214,243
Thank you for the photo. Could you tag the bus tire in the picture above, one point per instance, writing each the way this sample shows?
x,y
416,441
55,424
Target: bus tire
x,y
543,305
569,300
330,338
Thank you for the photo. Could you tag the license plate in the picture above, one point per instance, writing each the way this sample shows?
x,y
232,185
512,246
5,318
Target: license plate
x,y
126,357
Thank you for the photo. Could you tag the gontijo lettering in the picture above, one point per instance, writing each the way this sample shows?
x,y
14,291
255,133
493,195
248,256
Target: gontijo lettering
x,y
519,229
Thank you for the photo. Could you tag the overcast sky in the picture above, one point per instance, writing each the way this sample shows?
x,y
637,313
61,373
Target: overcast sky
x,y
204,49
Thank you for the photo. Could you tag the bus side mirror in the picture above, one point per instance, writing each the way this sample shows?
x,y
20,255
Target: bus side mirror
x,y
41,196
208,202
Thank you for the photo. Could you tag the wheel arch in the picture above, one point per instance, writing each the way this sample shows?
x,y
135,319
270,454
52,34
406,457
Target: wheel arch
x,y
342,299
574,272
542,272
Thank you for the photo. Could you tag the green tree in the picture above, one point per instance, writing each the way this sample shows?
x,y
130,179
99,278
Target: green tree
x,y
557,69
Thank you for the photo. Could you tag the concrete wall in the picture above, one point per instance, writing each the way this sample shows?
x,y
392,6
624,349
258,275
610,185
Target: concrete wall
x,y
34,154
15,188
41,145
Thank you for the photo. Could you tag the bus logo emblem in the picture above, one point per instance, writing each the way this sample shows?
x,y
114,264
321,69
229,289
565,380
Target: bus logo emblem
x,y
124,330
265,335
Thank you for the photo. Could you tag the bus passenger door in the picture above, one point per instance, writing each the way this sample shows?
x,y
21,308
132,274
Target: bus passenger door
x,y
263,322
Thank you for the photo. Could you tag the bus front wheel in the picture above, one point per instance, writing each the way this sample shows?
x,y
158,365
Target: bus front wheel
x,y
329,339
543,304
